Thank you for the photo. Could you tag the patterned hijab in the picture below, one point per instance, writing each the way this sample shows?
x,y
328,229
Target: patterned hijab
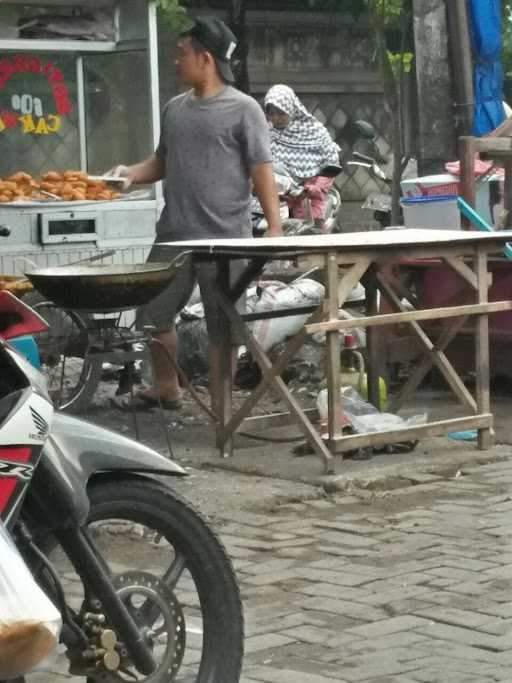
x,y
305,146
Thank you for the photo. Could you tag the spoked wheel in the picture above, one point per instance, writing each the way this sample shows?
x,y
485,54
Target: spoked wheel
x,y
63,348
174,576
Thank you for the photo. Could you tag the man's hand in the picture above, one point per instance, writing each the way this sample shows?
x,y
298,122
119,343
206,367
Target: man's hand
x,y
265,188
121,172
274,231
151,170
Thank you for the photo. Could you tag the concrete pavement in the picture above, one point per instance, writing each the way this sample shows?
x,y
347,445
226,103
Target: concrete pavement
x,y
403,586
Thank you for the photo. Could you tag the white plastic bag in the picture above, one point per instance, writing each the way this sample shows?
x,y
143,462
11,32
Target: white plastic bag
x,y
269,295
30,624
363,416
273,295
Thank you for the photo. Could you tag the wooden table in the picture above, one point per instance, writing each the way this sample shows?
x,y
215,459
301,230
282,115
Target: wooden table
x,y
345,260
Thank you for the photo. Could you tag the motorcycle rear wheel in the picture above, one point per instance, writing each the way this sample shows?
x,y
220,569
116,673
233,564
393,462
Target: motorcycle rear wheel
x,y
119,510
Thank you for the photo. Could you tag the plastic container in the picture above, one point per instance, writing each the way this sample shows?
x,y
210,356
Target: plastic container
x,y
431,185
444,184
322,403
433,213
354,380
353,372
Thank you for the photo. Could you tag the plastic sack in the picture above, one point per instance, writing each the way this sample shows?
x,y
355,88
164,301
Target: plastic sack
x,y
348,314
363,416
30,624
193,344
273,295
269,295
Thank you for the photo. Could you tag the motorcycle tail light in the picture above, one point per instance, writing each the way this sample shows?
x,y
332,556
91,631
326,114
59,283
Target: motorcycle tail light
x,y
16,471
17,319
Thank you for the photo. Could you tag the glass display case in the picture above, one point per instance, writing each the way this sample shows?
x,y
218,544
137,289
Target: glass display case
x,y
78,91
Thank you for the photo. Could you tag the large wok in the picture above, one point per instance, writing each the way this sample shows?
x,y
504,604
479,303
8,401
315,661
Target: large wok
x,y
103,288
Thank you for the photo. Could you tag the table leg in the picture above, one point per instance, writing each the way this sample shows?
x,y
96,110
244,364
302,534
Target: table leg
x,y
425,364
223,351
434,351
335,411
507,196
467,174
485,435
372,337
271,377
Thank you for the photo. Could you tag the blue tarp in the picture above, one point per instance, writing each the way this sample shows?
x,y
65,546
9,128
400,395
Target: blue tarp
x,y
488,78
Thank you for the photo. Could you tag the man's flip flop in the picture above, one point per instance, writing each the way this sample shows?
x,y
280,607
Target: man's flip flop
x,y
153,402
144,402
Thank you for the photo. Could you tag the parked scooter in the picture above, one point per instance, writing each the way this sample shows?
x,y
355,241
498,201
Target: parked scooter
x,y
378,202
288,186
135,571
379,168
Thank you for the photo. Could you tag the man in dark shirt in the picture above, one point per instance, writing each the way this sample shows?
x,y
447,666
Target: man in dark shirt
x,y
214,148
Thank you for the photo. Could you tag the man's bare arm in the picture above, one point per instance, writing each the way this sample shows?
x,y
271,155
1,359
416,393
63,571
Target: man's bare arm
x,y
265,188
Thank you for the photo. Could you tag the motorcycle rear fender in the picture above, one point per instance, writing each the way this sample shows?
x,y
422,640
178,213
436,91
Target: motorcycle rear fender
x,y
75,452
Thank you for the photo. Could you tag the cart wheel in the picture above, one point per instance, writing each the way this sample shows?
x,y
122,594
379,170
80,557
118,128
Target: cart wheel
x,y
64,351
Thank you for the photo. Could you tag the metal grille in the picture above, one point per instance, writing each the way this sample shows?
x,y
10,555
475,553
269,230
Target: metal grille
x,y
338,113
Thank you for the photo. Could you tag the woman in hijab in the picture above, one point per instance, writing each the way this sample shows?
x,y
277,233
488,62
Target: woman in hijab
x,y
303,146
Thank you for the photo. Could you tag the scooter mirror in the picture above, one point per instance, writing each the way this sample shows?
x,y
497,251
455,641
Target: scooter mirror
x,y
365,129
331,171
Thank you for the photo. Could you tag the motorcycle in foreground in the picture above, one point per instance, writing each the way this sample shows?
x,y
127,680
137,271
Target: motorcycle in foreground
x,y
145,588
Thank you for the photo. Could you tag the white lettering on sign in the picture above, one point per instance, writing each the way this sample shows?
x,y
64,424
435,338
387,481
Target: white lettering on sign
x,y
27,104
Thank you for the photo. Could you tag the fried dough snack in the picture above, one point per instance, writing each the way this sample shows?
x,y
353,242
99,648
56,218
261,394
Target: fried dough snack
x,y
20,178
70,186
15,285
74,175
52,177
18,186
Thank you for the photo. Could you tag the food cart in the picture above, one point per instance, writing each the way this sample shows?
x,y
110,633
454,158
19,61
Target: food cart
x,y
78,92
